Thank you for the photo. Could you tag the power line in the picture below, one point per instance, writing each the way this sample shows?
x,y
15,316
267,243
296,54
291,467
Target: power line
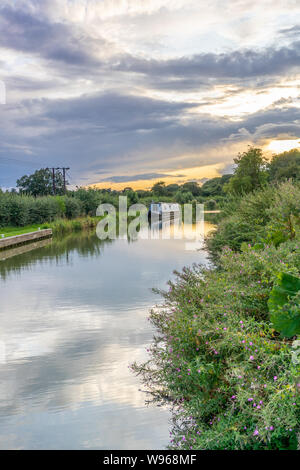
x,y
64,176
5,161
71,179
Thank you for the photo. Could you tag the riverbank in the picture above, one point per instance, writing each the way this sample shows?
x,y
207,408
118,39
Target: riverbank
x,y
217,357
26,238
59,226
13,231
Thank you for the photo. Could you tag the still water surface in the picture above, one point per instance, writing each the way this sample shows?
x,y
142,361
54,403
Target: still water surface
x,y
73,316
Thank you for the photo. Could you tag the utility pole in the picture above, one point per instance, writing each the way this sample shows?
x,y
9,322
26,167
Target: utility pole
x,y
53,181
64,169
64,175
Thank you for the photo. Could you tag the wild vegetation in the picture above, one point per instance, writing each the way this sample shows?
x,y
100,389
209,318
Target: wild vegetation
x,y
269,215
35,202
225,352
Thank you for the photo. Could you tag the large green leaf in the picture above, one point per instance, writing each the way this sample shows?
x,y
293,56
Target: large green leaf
x,y
284,305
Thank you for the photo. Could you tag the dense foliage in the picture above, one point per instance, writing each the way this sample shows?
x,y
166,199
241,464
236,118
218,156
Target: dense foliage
x,y
269,215
215,186
20,210
284,305
285,166
218,356
23,209
40,183
225,352
250,172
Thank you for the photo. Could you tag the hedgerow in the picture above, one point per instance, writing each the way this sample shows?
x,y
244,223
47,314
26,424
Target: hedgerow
x,y
232,379
20,210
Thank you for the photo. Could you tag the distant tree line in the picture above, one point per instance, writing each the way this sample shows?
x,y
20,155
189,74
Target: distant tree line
x,y
35,203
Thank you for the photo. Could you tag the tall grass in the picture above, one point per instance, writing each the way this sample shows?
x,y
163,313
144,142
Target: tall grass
x,y
64,226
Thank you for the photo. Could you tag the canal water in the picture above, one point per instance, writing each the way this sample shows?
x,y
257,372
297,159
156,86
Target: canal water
x,y
73,316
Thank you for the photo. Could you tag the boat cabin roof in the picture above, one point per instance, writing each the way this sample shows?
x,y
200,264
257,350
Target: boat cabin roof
x,y
166,206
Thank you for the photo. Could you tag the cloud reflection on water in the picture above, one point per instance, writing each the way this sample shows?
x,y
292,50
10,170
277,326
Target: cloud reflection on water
x,y
71,328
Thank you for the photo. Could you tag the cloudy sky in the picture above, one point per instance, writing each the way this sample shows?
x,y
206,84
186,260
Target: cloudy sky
x,y
126,92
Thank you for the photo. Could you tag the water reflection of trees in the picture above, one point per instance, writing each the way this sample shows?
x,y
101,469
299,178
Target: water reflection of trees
x,y
57,251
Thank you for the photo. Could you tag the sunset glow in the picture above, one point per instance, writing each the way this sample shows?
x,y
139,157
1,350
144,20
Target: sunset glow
x,y
130,92
179,177
278,146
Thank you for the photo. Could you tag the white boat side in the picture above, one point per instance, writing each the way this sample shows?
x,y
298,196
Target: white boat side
x,y
164,209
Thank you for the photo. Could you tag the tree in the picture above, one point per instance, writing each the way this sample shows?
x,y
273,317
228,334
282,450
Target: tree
x,y
183,197
215,186
192,187
211,205
143,193
250,172
285,165
159,188
132,197
40,183
171,189
90,198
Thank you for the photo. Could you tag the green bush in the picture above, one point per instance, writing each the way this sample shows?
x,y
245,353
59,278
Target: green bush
x,y
211,205
217,358
76,225
43,209
20,210
16,210
183,197
284,214
90,200
284,305
74,207
268,216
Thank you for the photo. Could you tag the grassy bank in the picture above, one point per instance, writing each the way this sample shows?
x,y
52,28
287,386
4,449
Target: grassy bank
x,y
64,226
12,231
229,373
59,226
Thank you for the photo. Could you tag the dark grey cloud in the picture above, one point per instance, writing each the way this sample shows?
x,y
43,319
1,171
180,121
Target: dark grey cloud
x,y
123,133
29,84
112,112
143,176
27,33
105,133
169,83
292,32
276,118
228,169
63,45
235,64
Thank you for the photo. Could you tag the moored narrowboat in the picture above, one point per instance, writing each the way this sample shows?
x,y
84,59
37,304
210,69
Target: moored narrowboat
x,y
164,211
